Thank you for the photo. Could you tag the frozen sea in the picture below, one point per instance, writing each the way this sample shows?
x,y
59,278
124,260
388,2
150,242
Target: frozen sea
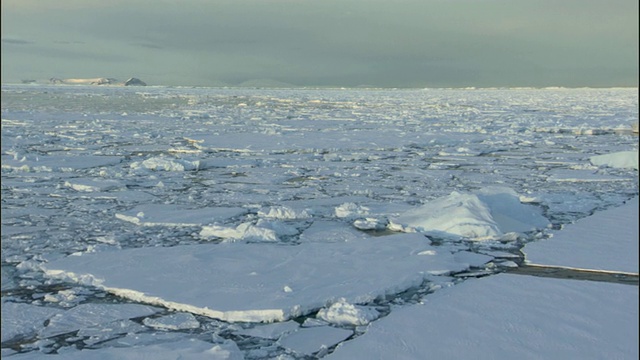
x,y
215,223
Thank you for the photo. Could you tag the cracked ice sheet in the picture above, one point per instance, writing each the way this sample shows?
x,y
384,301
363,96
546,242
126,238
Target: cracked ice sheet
x,y
182,349
607,240
90,315
508,317
172,215
49,163
261,282
299,141
24,319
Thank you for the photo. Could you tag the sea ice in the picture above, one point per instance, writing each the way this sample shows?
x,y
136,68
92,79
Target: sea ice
x,y
270,331
191,349
257,282
343,313
164,164
174,215
487,215
331,231
90,185
314,340
508,316
606,240
63,163
175,321
24,320
89,315
622,159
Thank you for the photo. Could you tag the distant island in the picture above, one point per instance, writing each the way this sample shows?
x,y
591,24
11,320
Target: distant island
x,y
98,81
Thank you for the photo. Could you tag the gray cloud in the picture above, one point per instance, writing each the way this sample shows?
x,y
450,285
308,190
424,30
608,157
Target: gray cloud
x,y
414,43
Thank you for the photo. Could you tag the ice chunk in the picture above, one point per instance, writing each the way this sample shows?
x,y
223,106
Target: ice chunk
x,y
343,313
161,163
483,216
90,185
348,210
89,315
314,340
271,331
174,215
283,213
245,231
177,321
622,159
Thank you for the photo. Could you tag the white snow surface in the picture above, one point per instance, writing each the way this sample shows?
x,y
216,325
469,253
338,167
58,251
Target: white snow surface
x,y
508,317
283,224
606,240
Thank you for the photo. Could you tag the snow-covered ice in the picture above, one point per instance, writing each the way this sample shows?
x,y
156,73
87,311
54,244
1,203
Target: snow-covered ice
x,y
622,159
309,223
508,316
24,320
255,282
314,340
191,349
487,215
607,240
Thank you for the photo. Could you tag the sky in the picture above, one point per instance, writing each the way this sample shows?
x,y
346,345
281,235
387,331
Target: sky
x,y
325,43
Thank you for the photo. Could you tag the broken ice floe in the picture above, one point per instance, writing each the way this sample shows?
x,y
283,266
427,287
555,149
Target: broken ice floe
x,y
622,159
90,315
164,164
314,340
173,215
175,321
93,185
24,320
169,349
248,281
62,163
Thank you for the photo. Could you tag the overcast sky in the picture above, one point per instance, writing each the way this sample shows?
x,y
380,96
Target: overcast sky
x,y
390,43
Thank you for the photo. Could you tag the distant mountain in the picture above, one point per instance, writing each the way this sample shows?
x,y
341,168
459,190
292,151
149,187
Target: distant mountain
x,y
98,81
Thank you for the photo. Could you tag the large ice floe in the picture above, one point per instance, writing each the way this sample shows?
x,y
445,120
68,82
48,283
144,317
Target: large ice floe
x,y
605,241
253,282
508,316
